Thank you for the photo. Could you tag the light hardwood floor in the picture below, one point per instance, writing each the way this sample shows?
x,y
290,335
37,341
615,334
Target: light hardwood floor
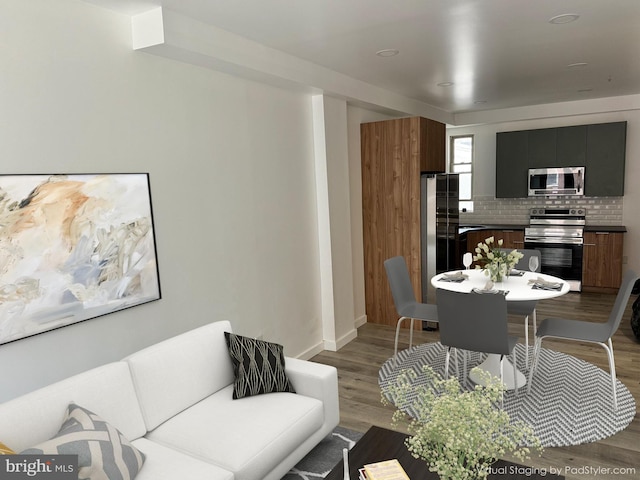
x,y
360,407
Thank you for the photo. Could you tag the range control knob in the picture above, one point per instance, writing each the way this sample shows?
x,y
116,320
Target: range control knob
x,y
573,212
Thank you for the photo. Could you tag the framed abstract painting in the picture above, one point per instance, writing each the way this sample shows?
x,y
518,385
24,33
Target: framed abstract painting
x,y
72,248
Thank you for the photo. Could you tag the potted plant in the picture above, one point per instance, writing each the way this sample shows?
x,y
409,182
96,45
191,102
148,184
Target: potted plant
x,y
458,433
495,262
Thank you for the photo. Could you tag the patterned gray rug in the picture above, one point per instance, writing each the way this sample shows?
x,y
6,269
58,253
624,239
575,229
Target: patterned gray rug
x,y
321,460
569,404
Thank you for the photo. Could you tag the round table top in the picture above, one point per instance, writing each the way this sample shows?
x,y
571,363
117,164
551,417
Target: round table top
x,y
519,288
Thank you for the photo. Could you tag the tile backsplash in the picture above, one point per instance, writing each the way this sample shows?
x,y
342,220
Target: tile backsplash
x,y
501,211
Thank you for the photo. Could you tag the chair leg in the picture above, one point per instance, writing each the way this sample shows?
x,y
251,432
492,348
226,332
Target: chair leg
x,y
515,372
502,380
526,340
446,363
395,346
534,362
411,333
612,369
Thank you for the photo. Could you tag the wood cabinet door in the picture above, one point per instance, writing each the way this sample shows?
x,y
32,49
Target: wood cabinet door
x,y
512,238
390,209
602,259
541,148
432,146
571,148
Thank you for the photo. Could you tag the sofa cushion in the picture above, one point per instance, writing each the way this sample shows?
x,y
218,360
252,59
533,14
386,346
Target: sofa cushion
x,y
172,375
37,416
4,450
258,366
249,437
165,463
103,452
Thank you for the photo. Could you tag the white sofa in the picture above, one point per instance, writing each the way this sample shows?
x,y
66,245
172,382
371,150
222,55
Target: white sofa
x,y
173,401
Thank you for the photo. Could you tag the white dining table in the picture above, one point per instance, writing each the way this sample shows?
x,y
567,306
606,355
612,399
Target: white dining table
x,y
518,289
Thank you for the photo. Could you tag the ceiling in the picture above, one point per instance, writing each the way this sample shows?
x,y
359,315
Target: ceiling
x,y
492,54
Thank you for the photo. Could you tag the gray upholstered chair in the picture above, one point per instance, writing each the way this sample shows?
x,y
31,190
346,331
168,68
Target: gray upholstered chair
x,y
475,322
526,308
584,331
404,299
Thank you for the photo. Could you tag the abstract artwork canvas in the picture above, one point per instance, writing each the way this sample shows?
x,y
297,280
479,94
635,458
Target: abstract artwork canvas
x,y
73,247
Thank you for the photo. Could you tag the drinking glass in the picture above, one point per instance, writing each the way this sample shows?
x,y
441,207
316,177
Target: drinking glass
x,y
533,263
467,260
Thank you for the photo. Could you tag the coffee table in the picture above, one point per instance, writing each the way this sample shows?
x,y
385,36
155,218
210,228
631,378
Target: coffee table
x,y
380,444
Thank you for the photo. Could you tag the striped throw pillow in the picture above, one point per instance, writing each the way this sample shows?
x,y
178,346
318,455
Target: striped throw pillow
x,y
103,452
4,450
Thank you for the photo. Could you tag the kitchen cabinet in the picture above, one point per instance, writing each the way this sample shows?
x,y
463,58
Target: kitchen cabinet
x,y
600,148
394,153
602,261
604,172
512,239
511,164
541,148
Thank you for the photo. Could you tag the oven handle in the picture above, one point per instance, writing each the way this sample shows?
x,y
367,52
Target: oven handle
x,y
559,240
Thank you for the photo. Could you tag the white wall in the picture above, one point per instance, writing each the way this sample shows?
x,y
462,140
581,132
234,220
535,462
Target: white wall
x,y
485,159
232,178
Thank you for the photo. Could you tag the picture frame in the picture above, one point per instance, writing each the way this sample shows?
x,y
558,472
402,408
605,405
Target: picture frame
x,y
73,247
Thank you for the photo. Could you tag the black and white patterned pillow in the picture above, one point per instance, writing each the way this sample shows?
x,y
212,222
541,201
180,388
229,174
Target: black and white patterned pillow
x,y
103,452
258,366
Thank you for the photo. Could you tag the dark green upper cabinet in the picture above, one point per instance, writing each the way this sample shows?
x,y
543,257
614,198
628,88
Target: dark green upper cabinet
x,y
511,164
541,151
571,146
600,148
604,172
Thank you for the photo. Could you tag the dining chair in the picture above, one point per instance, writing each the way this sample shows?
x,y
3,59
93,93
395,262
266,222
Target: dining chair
x,y
404,299
590,332
476,322
526,308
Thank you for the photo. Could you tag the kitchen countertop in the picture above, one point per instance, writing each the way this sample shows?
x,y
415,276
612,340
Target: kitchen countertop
x,y
464,228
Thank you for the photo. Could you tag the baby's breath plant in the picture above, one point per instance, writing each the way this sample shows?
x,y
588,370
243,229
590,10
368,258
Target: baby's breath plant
x,y
495,263
458,433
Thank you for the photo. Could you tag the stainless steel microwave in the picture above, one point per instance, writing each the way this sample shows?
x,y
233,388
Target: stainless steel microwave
x,y
556,181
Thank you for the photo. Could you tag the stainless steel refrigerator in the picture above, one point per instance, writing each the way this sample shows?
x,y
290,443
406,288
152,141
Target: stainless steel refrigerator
x,y
440,219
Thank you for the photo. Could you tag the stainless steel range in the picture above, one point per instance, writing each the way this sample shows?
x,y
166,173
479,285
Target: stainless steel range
x,y
559,235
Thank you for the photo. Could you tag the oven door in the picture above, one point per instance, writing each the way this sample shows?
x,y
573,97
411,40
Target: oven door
x,y
560,258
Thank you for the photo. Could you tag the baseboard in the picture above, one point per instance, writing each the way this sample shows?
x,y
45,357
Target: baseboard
x,y
360,321
312,352
334,346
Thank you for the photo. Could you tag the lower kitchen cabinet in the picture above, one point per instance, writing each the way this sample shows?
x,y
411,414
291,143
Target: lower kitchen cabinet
x,y
602,260
511,238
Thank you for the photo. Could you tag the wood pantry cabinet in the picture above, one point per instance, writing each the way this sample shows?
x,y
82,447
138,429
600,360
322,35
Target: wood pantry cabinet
x,y
602,261
394,154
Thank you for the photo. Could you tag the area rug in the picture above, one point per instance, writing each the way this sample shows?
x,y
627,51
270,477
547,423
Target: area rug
x,y
570,401
321,460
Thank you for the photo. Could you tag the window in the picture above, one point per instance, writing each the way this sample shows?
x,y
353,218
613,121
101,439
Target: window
x,y
461,162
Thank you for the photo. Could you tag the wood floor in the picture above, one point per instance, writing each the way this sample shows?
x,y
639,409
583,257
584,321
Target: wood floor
x,y
359,361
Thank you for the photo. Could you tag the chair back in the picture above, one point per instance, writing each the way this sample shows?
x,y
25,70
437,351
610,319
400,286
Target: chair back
x,y
629,279
473,321
400,283
523,263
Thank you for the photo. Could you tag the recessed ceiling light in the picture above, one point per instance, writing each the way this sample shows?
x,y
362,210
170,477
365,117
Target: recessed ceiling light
x,y
577,64
564,18
444,84
387,52
480,102
585,90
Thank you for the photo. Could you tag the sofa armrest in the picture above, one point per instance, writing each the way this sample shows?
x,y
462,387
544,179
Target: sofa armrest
x,y
318,381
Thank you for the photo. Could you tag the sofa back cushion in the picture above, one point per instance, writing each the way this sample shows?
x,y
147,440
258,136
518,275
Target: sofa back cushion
x,y
37,416
172,375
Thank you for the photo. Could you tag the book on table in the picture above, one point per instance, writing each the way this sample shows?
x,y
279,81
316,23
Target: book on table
x,y
386,470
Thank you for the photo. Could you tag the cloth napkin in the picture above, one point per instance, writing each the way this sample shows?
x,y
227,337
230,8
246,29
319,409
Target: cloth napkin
x,y
516,273
488,288
542,284
454,277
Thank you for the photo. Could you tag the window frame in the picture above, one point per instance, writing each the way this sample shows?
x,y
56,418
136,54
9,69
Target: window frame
x,y
452,162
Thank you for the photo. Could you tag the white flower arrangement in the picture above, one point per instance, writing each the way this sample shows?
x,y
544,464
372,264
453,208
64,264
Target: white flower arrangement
x,y
458,433
496,263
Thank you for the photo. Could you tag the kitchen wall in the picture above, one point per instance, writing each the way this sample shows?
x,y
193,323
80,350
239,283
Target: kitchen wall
x,y
231,165
600,211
